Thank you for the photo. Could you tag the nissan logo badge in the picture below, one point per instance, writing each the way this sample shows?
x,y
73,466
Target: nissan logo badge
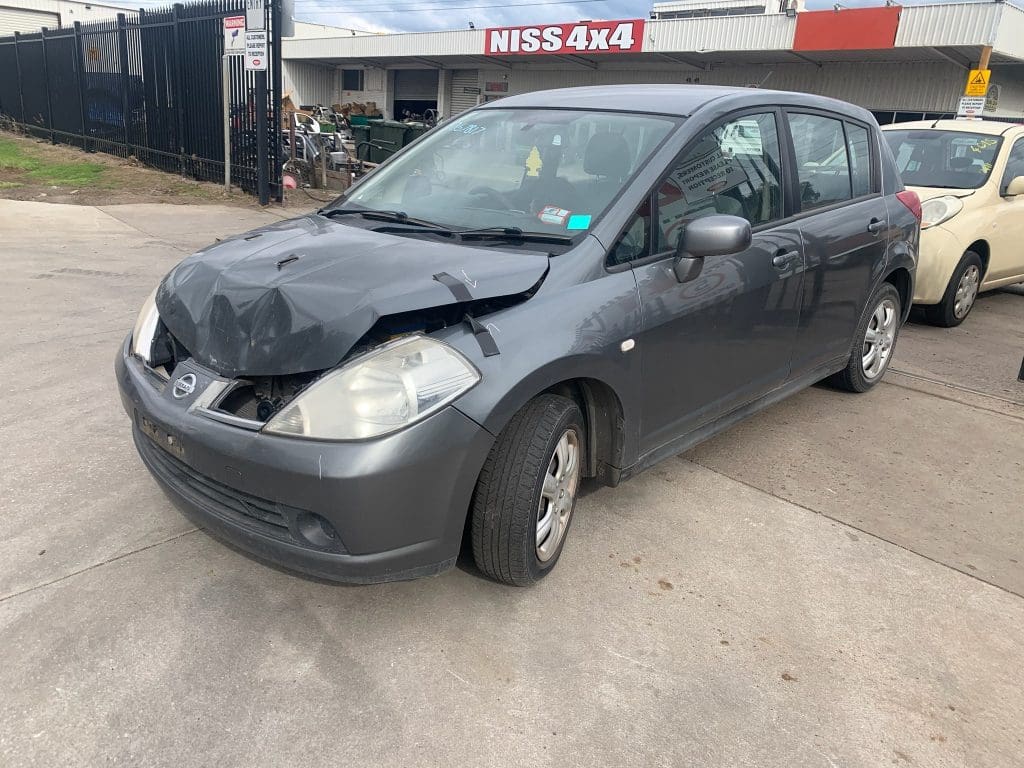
x,y
184,386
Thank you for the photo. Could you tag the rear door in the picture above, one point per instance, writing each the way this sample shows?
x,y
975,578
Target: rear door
x,y
726,338
844,224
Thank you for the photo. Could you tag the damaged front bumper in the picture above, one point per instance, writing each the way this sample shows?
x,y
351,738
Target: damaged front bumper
x,y
376,510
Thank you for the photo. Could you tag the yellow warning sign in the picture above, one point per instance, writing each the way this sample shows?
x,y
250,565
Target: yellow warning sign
x,y
977,82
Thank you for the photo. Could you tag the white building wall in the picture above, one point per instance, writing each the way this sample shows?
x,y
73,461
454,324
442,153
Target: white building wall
x,y
309,83
947,24
25,15
924,86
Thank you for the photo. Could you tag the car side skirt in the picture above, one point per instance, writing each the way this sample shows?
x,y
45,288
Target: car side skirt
x,y
712,428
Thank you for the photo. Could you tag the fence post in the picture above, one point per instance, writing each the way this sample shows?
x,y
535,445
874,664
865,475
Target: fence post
x,y
80,72
21,88
122,54
46,82
176,90
276,33
263,116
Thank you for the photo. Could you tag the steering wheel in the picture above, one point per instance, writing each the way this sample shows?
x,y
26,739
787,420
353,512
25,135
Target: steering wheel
x,y
491,196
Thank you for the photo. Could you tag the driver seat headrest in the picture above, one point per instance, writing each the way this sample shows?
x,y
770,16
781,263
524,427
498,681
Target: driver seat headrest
x,y
607,154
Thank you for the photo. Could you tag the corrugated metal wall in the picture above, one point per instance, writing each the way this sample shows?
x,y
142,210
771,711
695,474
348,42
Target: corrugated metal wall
x,y
311,83
728,33
947,24
453,43
24,20
1011,29
460,100
908,86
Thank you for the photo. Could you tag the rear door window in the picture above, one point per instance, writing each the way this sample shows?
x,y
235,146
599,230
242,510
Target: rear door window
x,y
858,147
822,160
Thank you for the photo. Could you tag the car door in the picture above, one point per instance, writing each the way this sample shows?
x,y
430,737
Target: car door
x,y
1006,239
725,338
843,221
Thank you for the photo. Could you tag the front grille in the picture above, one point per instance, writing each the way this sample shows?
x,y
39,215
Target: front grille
x,y
243,509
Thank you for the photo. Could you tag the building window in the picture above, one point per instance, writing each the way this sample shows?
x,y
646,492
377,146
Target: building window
x,y
351,79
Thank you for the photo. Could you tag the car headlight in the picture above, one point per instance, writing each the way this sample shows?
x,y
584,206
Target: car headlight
x,y
939,209
145,328
380,392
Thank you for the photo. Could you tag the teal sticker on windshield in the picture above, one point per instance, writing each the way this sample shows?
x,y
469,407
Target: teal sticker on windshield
x,y
579,221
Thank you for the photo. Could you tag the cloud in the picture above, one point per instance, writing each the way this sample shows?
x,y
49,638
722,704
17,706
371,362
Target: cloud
x,y
366,15
325,12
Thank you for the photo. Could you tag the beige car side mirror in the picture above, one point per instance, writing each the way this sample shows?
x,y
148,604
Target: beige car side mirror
x,y
1015,187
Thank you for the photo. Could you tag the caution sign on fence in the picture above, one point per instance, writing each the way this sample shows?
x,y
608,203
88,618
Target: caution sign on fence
x,y
234,35
977,82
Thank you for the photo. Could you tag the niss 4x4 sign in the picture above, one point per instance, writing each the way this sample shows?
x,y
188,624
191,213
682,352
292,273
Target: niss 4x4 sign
x,y
584,37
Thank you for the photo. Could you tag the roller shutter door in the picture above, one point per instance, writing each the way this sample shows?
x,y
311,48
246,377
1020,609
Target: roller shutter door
x,y
416,84
461,80
24,20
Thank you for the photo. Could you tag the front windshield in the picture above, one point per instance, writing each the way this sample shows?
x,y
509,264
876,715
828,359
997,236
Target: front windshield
x,y
947,159
538,170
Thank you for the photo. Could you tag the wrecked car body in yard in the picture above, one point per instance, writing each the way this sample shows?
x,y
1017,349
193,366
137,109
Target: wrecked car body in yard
x,y
537,292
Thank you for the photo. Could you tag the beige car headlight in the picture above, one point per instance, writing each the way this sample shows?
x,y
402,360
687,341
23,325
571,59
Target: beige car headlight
x,y
380,392
145,328
940,209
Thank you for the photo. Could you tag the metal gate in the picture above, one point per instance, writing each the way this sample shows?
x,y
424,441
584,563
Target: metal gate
x,y
149,85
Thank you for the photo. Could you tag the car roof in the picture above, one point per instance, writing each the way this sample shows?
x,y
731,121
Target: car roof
x,y
991,127
668,99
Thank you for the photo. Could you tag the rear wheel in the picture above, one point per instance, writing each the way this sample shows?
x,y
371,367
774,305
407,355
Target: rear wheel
x,y
874,342
524,499
960,293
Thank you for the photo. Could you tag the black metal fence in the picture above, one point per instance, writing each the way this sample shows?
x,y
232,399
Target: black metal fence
x,y
149,84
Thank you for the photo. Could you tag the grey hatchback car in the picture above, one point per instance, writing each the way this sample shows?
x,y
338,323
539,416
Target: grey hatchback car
x,y
541,290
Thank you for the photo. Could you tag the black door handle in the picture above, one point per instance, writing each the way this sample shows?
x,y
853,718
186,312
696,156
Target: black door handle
x,y
875,226
782,258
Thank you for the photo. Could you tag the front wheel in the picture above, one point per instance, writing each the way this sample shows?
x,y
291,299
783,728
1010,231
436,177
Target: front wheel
x,y
874,342
526,493
960,293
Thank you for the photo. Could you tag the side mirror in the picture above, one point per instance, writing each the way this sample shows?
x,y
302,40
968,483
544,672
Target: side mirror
x,y
1015,187
716,235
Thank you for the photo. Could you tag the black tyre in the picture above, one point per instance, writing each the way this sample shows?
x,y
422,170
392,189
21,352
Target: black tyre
x,y
873,343
960,293
524,498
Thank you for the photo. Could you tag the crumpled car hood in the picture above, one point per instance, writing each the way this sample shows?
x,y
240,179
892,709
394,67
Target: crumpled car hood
x,y
247,307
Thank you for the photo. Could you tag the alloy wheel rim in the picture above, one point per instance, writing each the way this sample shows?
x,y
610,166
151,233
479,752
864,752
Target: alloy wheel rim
x,y
557,495
966,292
879,338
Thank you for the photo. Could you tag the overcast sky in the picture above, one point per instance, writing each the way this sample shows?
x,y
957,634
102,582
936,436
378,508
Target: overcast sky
x,y
420,15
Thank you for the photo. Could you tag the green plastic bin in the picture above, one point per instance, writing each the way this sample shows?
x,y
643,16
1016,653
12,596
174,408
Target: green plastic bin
x,y
413,131
391,135
361,133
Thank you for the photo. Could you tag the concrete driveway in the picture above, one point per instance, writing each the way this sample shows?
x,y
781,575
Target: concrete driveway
x,y
836,582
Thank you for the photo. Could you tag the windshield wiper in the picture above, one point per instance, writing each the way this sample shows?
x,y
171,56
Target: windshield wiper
x,y
397,217
512,233
484,233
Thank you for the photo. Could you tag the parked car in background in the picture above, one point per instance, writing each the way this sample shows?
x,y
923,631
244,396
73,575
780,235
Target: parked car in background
x,y
541,290
970,177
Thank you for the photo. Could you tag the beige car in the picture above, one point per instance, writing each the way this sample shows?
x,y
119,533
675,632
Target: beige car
x,y
970,178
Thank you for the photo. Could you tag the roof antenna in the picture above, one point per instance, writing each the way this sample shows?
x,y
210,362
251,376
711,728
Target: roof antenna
x,y
763,80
